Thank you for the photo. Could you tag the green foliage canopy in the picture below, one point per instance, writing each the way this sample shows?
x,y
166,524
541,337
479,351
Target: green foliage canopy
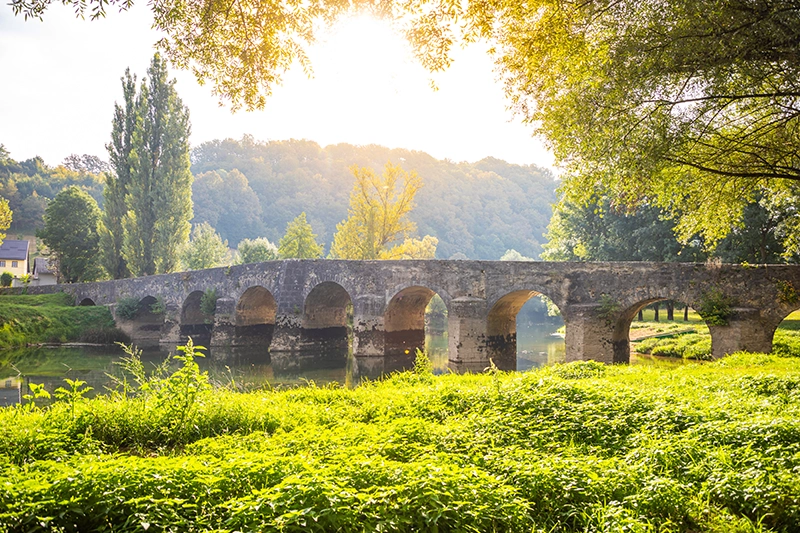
x,y
495,205
299,241
256,251
5,218
226,201
205,249
27,186
150,155
692,105
596,230
70,232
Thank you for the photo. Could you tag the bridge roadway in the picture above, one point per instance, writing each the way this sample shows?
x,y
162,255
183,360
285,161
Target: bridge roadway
x,y
301,306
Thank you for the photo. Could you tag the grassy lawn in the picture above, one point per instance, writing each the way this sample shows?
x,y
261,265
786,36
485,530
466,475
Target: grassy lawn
x,y
570,448
696,344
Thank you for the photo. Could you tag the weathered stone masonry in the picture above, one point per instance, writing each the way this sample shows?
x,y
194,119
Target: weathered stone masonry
x,y
296,306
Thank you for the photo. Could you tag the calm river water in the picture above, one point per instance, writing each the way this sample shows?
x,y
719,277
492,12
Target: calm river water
x,y
247,368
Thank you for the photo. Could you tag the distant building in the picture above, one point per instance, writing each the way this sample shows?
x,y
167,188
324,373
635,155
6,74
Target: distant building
x,y
14,257
41,273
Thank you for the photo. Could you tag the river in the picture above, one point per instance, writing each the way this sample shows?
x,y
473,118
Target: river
x,y
245,368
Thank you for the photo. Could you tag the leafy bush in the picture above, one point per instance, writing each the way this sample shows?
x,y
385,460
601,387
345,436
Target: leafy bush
x,y
609,307
208,302
579,370
6,278
686,345
127,308
786,341
715,308
786,292
159,307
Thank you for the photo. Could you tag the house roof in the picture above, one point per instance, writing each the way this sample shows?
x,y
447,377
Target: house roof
x,y
41,266
11,249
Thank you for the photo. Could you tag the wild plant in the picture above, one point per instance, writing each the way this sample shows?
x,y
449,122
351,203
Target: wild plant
x,y
37,392
73,395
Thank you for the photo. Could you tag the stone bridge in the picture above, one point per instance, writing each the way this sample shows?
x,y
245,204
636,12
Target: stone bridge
x,y
297,306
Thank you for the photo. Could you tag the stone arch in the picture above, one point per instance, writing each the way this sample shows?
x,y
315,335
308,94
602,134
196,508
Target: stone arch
x,y
621,337
255,317
791,321
501,327
146,324
326,320
194,322
404,319
86,302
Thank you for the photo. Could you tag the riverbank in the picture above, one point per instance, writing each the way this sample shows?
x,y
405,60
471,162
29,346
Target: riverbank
x,y
53,318
674,339
575,447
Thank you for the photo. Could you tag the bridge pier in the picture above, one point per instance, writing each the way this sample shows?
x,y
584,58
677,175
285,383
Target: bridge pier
x,y
171,329
466,331
223,331
287,332
590,336
746,331
369,335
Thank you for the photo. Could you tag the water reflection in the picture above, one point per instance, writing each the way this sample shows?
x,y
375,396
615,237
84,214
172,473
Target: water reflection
x,y
245,367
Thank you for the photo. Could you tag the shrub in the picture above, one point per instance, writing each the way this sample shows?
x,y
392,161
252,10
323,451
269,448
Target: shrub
x,y
6,278
208,302
159,307
127,308
786,292
715,307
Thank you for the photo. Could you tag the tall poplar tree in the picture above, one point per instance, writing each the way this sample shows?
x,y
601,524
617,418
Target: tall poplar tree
x,y
150,157
112,237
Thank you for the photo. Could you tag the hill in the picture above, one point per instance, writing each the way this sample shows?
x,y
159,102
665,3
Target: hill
x,y
247,189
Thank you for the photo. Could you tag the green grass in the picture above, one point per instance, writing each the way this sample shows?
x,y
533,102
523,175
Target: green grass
x,y
697,345
580,447
52,318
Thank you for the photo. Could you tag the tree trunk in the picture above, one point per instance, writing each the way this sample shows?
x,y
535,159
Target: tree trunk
x,y
655,309
686,313
641,315
670,310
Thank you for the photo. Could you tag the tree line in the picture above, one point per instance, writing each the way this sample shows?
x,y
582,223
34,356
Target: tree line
x,y
689,107
152,192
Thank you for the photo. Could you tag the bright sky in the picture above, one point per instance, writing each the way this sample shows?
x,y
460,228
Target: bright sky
x,y
61,77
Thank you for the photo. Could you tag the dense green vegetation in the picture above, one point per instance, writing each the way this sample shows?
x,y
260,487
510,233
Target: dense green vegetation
x,y
148,193
46,318
599,229
696,343
577,447
27,186
477,209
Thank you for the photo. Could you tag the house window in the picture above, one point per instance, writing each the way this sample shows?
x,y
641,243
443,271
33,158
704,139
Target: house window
x,y
2,263
14,264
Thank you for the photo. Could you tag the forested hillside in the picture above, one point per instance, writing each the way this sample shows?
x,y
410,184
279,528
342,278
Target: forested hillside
x,y
29,184
247,189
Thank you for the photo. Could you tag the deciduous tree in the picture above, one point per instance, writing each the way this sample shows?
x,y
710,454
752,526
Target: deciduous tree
x,y
149,199
205,249
70,233
299,241
378,214
256,251
5,217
